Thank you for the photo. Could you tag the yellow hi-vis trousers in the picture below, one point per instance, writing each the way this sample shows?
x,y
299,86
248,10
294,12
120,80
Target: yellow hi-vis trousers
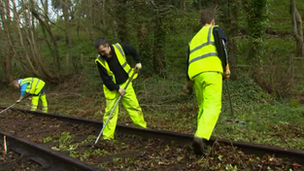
x,y
35,101
208,89
130,103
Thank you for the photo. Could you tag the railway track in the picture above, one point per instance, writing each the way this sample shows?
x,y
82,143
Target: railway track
x,y
14,161
37,158
136,148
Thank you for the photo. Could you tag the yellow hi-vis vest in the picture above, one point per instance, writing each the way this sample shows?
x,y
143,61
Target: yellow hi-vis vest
x,y
203,54
122,61
35,85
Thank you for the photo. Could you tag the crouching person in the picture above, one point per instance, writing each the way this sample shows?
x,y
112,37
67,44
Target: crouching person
x,y
34,87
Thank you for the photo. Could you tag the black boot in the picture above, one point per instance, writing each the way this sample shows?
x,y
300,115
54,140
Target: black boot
x,y
198,145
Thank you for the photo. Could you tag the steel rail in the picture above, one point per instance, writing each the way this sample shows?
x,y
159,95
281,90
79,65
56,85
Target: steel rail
x,y
250,148
49,159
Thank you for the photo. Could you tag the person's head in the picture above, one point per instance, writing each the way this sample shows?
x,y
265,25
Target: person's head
x,y
102,47
15,83
207,18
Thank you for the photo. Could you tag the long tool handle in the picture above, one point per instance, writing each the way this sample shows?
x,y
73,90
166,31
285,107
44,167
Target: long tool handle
x,y
116,103
229,98
14,104
8,108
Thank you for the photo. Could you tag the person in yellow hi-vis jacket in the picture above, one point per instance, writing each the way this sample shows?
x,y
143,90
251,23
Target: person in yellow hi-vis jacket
x,y
205,72
36,88
115,72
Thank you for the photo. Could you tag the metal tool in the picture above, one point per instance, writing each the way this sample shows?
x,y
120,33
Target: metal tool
x,y
14,104
8,108
233,120
116,103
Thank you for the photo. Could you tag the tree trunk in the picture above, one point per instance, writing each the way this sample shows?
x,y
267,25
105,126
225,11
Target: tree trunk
x,y
50,33
256,26
233,34
296,21
9,52
183,5
159,41
65,11
121,16
35,53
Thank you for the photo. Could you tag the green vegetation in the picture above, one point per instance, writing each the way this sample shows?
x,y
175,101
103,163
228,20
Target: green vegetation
x,y
47,139
65,143
272,108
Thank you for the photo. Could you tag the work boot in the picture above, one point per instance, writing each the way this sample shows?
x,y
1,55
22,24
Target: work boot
x,y
198,145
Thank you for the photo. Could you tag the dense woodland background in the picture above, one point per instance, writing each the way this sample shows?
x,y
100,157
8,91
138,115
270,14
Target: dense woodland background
x,y
54,39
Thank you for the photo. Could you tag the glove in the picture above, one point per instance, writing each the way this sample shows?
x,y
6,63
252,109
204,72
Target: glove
x,y
138,67
121,91
188,88
226,74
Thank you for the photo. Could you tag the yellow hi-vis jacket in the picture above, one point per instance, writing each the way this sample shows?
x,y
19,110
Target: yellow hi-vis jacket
x,y
122,61
203,55
35,85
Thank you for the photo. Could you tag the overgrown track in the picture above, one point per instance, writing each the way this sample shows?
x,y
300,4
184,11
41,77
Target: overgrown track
x,y
141,149
37,157
13,161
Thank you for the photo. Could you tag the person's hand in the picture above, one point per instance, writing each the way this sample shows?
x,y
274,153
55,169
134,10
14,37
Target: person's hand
x,y
226,74
18,101
138,67
188,88
121,91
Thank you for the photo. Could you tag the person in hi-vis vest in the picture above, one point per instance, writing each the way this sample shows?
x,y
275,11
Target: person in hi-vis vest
x,y
115,72
36,88
206,70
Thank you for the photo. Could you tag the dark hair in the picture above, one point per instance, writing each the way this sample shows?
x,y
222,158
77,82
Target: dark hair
x,y
101,41
206,17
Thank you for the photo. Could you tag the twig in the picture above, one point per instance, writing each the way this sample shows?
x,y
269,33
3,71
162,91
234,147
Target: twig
x,y
237,155
207,157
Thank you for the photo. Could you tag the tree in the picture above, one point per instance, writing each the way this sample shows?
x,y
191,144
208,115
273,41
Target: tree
x,y
121,19
229,14
5,12
257,24
297,29
161,13
65,5
32,59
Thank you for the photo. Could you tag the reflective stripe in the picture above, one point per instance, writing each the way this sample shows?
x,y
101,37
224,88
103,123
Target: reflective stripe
x,y
209,34
36,86
120,50
123,65
101,59
204,44
129,71
203,56
31,85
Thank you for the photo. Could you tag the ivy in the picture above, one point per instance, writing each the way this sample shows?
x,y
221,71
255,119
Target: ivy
x,y
258,22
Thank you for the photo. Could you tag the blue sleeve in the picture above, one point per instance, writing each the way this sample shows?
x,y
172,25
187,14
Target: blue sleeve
x,y
23,88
